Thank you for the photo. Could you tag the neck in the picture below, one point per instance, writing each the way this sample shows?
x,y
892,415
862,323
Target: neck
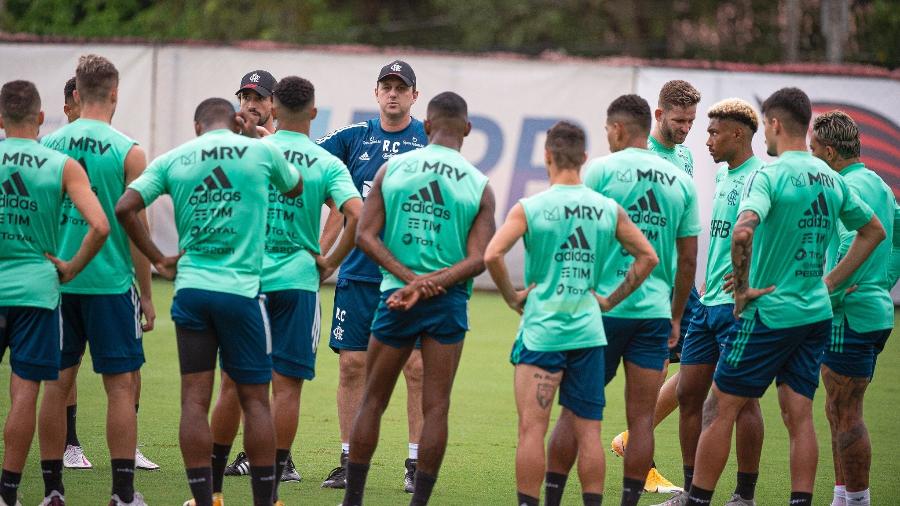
x,y
299,126
446,139
792,144
842,164
22,131
657,134
389,124
639,142
97,111
742,155
215,126
568,176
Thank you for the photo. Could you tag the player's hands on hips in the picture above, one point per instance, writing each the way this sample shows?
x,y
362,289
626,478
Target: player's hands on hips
x,y
728,287
64,270
325,268
148,312
605,304
168,266
519,298
745,296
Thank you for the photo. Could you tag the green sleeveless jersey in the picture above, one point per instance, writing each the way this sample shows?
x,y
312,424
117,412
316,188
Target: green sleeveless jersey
x,y
292,225
661,200
571,232
798,199
431,196
101,150
869,307
727,198
679,155
219,186
30,197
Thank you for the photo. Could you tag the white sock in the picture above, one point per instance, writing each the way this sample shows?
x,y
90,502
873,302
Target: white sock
x,y
345,448
840,492
860,498
414,451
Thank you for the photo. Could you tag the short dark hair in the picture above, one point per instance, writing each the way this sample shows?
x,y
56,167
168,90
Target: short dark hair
x,y
294,93
838,130
20,102
633,108
69,89
678,93
95,77
566,143
792,107
213,110
448,105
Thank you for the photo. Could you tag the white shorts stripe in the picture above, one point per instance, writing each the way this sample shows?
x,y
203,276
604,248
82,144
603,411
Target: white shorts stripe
x,y
136,303
317,325
265,318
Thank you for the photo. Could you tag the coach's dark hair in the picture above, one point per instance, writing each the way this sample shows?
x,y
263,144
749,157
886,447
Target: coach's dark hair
x,y
632,109
792,107
448,108
294,93
69,90
214,110
566,144
20,102
95,78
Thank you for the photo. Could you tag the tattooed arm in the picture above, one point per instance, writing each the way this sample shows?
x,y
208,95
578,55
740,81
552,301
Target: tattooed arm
x,y
741,253
645,260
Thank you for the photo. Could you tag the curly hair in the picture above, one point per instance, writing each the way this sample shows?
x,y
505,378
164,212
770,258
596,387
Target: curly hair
x,y
838,130
678,93
294,93
735,109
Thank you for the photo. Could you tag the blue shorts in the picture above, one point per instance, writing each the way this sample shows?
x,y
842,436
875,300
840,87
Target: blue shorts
x,y
444,318
643,342
852,353
757,355
239,325
354,310
111,324
295,319
710,328
32,335
690,309
581,388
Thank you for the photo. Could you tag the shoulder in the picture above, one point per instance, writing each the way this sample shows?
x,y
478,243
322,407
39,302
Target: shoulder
x,y
345,132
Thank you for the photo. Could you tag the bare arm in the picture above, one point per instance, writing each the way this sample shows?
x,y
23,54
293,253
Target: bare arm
x,y
77,186
494,257
867,239
328,264
135,163
741,253
645,260
127,210
482,230
332,228
368,231
684,274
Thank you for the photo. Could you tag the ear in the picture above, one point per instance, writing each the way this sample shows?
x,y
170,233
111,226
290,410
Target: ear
x,y
658,114
114,95
274,111
313,113
427,127
548,157
415,95
197,128
468,129
40,118
76,96
584,157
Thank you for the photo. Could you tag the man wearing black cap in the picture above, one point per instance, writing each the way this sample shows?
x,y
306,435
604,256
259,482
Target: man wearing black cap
x,y
364,147
255,97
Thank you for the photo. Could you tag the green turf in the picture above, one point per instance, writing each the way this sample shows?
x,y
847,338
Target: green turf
x,y
478,467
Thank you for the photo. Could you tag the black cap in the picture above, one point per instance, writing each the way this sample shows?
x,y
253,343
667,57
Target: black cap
x,y
259,81
400,69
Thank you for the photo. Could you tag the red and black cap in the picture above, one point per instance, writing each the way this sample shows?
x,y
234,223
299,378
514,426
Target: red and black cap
x,y
259,81
400,69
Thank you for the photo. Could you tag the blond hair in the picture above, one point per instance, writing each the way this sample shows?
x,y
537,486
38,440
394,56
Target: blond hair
x,y
838,130
735,109
95,78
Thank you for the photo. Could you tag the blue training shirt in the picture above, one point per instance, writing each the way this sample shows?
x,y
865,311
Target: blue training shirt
x,y
364,147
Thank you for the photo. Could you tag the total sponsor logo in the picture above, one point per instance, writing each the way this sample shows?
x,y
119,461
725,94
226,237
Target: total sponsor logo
x,y
216,187
428,200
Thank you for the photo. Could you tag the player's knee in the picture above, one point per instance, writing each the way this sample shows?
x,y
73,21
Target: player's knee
x,y
352,366
413,370
690,399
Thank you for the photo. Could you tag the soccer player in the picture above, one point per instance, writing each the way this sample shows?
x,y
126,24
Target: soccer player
x,y
786,218
569,231
675,113
102,306
33,182
364,147
219,186
436,212
73,457
661,200
291,266
732,124
864,317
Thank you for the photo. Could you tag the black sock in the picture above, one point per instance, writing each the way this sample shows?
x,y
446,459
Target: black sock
x,y
123,479
801,499
9,486
71,431
424,486
219,462
136,407
554,484
631,491
688,477
699,496
526,500
52,471
592,499
356,484
746,485
262,482
281,459
200,481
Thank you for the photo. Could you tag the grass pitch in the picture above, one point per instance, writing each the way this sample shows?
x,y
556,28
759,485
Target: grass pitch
x,y
479,464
